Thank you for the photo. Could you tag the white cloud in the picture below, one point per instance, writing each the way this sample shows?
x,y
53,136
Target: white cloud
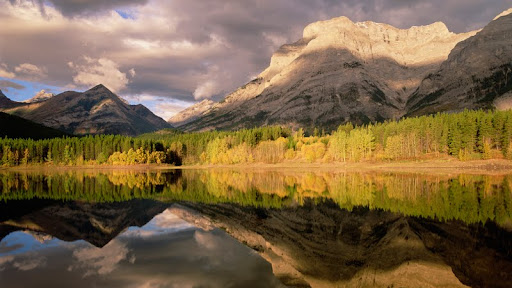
x,y
207,240
99,71
161,106
132,72
5,260
206,90
29,264
141,44
31,72
4,71
101,261
168,109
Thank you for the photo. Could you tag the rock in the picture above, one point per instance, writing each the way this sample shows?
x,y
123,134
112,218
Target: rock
x,y
191,113
340,71
95,111
40,97
477,74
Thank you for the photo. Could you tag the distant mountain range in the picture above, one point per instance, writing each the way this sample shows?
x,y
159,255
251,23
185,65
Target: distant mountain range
x,y
95,111
341,71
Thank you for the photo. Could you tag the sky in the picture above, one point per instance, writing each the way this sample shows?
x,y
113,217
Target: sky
x,y
169,54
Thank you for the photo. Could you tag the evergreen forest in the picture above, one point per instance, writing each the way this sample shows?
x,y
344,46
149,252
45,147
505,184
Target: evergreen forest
x,y
468,135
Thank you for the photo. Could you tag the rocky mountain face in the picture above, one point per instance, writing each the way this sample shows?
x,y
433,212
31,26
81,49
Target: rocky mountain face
x,y
341,71
95,111
191,113
477,74
40,97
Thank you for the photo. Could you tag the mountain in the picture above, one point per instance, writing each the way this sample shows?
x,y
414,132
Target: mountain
x,y
477,74
95,111
191,113
40,97
339,71
319,245
17,127
96,223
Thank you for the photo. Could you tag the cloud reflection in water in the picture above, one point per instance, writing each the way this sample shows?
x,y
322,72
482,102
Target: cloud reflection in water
x,y
166,252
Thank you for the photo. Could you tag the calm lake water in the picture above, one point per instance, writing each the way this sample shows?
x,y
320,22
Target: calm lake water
x,y
242,228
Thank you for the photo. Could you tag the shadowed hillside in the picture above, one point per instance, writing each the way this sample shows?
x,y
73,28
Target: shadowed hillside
x,y
16,127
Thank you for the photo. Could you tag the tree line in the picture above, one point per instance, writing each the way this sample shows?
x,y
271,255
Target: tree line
x,y
468,198
466,135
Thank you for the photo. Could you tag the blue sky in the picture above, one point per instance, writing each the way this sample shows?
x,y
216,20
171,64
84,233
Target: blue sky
x,y
28,90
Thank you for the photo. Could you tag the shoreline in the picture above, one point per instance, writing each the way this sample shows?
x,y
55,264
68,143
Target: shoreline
x,y
437,166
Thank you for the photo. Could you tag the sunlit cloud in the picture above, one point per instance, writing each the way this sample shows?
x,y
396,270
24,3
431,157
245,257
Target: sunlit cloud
x,y
5,260
30,263
103,260
161,106
5,73
29,71
185,50
206,90
99,71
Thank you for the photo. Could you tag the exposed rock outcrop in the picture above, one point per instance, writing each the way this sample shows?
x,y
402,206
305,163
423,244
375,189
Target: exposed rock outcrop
x,y
339,71
40,96
191,113
477,74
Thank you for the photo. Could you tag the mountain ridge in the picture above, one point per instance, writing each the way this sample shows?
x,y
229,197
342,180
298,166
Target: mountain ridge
x,y
339,72
39,97
191,113
5,102
17,127
95,111
476,75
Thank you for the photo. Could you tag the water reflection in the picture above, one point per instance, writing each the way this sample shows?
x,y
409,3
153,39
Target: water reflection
x,y
469,198
315,229
166,252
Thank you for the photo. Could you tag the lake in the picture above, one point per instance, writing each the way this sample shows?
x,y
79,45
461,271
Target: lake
x,y
254,228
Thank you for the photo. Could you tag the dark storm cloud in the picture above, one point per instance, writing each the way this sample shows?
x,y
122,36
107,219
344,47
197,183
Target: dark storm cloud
x,y
71,8
6,84
173,48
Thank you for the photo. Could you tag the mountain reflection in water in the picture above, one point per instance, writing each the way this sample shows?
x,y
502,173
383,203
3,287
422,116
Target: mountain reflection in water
x,y
165,252
315,229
